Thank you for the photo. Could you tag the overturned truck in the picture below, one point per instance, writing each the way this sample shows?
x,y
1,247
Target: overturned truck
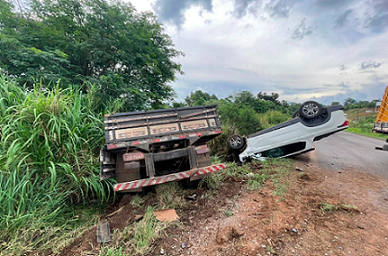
x,y
152,147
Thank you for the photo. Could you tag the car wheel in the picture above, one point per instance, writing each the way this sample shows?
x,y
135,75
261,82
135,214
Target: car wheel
x,y
385,147
236,142
310,110
296,114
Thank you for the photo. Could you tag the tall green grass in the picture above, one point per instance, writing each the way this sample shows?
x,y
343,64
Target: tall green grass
x,y
49,162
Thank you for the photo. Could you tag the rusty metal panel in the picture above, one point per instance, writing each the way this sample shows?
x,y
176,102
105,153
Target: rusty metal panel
x,y
124,175
128,157
194,125
203,160
131,133
163,156
150,166
162,129
132,166
192,158
198,113
213,122
107,164
202,151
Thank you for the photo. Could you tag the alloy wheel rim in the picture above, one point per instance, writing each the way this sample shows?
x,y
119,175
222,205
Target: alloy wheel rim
x,y
310,109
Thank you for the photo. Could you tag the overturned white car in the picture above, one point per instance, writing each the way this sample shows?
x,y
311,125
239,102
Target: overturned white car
x,y
311,123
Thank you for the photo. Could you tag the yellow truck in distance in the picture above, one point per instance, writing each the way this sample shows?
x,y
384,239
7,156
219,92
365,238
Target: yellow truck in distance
x,y
381,123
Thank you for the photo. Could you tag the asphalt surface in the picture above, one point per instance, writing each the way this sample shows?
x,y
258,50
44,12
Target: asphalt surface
x,y
347,151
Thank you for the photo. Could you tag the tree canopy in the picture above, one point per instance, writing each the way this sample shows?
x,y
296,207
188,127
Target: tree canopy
x,y
199,97
107,43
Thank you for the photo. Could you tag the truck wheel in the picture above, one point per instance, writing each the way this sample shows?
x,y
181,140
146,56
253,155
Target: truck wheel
x,y
310,110
236,142
385,147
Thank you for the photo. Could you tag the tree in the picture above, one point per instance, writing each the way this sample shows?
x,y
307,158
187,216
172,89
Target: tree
x,y
199,98
243,117
125,53
273,97
349,101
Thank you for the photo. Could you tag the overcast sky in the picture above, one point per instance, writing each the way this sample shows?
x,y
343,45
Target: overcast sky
x,y
326,50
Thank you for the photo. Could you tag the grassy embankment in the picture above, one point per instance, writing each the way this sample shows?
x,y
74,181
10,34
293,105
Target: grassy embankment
x,y
362,122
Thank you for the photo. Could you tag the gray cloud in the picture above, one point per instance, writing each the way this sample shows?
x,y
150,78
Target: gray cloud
x,y
293,91
341,85
301,30
222,89
344,86
343,67
378,20
341,20
369,64
280,8
172,11
332,4
381,5
242,7
367,92
244,71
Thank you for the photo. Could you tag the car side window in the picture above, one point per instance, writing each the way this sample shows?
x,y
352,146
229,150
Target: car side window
x,y
284,150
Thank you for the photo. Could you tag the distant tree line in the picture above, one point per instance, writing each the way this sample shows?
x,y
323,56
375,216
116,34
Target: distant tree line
x,y
351,103
244,112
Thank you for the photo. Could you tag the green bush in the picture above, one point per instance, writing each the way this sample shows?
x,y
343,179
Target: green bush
x,y
272,118
365,124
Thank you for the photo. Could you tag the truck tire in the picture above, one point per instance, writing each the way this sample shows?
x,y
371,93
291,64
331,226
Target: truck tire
x,y
385,147
310,110
236,142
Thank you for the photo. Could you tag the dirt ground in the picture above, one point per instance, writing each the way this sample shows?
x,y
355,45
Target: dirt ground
x,y
237,221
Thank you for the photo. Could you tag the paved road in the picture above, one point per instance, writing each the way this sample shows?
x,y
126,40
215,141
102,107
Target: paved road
x,y
350,151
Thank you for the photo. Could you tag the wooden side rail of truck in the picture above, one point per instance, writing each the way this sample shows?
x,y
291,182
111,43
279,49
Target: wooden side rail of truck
x,y
152,147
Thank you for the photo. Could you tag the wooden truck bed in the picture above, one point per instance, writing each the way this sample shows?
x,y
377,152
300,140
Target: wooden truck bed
x,y
130,129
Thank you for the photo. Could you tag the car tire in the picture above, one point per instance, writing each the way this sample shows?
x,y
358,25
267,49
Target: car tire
x,y
385,147
296,114
236,142
310,110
